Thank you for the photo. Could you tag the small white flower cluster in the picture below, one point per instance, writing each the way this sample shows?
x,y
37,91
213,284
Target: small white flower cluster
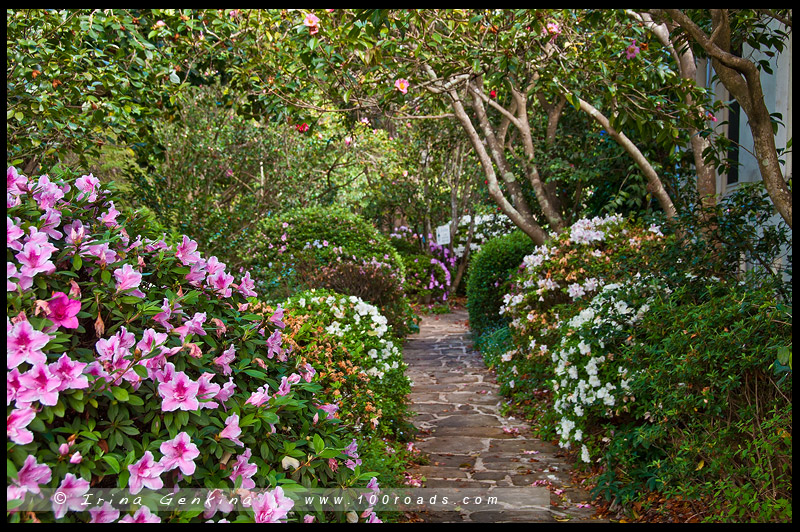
x,y
357,317
586,231
487,226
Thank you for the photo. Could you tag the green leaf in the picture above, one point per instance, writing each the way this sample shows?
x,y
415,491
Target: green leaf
x,y
121,394
173,77
319,444
113,462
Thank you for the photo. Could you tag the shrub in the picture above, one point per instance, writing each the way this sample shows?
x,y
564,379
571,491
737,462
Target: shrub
x,y
360,361
328,248
489,270
124,347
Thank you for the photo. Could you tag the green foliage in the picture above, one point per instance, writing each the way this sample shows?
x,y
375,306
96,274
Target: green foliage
x,y
489,270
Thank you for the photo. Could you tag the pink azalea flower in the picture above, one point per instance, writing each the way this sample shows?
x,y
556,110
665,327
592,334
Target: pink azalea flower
x,y
221,282
217,501
142,515
285,387
232,431
76,458
70,373
24,344
309,372
39,384
145,473
62,311
207,391
104,514
150,340
103,252
73,488
109,218
187,251
192,326
15,182
258,397
128,279
52,219
179,393
213,265
88,185
226,392
401,85
12,385
271,506
179,452
246,286
164,315
277,318
29,477
308,518
373,485
35,258
13,233
46,193
17,422
274,344
197,273
243,468
225,359
329,409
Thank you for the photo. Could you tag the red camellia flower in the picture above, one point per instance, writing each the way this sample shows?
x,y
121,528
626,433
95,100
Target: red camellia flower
x,y
493,93
302,128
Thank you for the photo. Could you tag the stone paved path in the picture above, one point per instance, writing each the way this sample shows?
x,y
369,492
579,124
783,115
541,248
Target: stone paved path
x,y
457,402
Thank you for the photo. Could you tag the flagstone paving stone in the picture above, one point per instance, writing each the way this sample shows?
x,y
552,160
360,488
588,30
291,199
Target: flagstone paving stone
x,y
458,404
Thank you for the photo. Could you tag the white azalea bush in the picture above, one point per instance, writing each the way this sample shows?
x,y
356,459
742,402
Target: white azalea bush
x,y
562,287
592,379
365,370
136,362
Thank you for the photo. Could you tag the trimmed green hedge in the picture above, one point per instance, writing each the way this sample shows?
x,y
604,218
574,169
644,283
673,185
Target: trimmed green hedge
x,y
489,271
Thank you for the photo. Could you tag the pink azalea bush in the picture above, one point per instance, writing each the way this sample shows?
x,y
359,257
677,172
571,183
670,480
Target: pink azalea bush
x,y
132,363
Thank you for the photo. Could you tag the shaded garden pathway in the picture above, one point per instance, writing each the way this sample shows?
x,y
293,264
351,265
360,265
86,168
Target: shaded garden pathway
x,y
457,402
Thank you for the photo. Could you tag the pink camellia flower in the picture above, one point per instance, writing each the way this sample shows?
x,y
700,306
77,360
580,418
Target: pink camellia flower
x,y
17,422
29,477
62,311
553,28
271,506
128,279
710,116
179,452
243,468
104,514
232,431
24,344
145,473
39,384
224,360
142,515
180,392
72,489
632,50
312,23
70,373
89,186
401,85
